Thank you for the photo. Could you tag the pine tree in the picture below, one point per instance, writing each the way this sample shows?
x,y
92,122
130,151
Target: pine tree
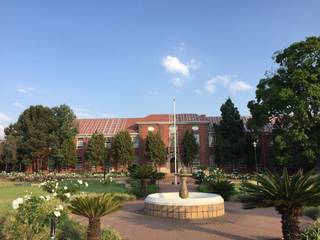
x,y
190,148
96,152
230,134
156,151
122,150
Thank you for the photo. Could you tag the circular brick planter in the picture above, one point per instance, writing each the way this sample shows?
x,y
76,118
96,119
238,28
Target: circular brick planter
x,y
197,206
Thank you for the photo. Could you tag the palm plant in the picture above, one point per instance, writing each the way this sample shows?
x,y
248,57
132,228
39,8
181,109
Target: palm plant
x,y
94,207
141,173
287,194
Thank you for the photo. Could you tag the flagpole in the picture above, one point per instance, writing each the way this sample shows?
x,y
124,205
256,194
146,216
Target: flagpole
x,y
175,142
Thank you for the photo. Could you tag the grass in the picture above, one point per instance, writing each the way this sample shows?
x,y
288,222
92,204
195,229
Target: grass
x,y
11,190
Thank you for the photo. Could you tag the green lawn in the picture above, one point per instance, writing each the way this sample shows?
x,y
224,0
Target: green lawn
x,y
10,191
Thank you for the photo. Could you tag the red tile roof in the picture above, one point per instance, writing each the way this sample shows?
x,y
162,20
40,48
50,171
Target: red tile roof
x,y
110,126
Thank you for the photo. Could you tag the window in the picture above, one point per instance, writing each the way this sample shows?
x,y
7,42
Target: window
x,y
108,142
135,141
212,139
80,142
197,137
79,163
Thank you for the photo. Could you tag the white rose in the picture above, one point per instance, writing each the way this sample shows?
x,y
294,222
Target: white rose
x,y
19,200
68,195
80,182
65,188
86,184
47,197
57,213
60,207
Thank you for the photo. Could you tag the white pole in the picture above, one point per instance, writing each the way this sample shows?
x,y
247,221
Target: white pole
x,y
175,142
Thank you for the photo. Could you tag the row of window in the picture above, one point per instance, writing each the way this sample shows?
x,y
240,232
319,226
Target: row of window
x,y
135,141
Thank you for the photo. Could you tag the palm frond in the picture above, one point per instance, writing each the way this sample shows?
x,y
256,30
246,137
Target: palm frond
x,y
94,206
282,191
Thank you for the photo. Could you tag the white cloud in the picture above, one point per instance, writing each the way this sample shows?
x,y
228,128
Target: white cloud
x,y
223,79
209,85
239,86
83,113
178,82
4,121
18,105
173,65
1,131
193,64
27,90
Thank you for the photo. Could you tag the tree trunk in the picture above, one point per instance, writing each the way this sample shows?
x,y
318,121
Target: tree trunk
x,y
290,223
94,229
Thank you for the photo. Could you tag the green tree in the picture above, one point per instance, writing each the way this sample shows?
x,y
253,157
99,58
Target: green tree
x,y
143,173
63,149
287,194
94,207
289,99
156,151
9,152
230,134
35,132
96,152
190,148
122,151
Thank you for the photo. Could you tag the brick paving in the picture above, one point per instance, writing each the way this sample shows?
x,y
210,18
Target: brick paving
x,y
237,224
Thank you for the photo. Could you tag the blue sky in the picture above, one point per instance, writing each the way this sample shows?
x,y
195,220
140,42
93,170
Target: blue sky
x,y
130,58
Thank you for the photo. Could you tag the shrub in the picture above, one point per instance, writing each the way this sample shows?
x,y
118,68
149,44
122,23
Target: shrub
x,y
203,187
68,229
63,190
312,212
110,234
311,233
199,176
31,217
224,188
136,189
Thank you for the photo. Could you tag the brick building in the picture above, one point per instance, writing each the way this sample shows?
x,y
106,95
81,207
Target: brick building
x,y
202,127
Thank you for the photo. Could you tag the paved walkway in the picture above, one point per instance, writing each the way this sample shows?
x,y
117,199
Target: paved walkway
x,y
237,224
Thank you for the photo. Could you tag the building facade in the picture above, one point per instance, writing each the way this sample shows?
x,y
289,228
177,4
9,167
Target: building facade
x,y
201,126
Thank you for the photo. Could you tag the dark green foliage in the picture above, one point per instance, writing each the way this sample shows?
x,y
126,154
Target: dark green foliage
x,y
190,148
8,153
156,176
199,176
224,188
287,194
68,229
156,151
290,99
230,135
96,153
63,148
35,133
312,212
41,133
143,173
122,151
